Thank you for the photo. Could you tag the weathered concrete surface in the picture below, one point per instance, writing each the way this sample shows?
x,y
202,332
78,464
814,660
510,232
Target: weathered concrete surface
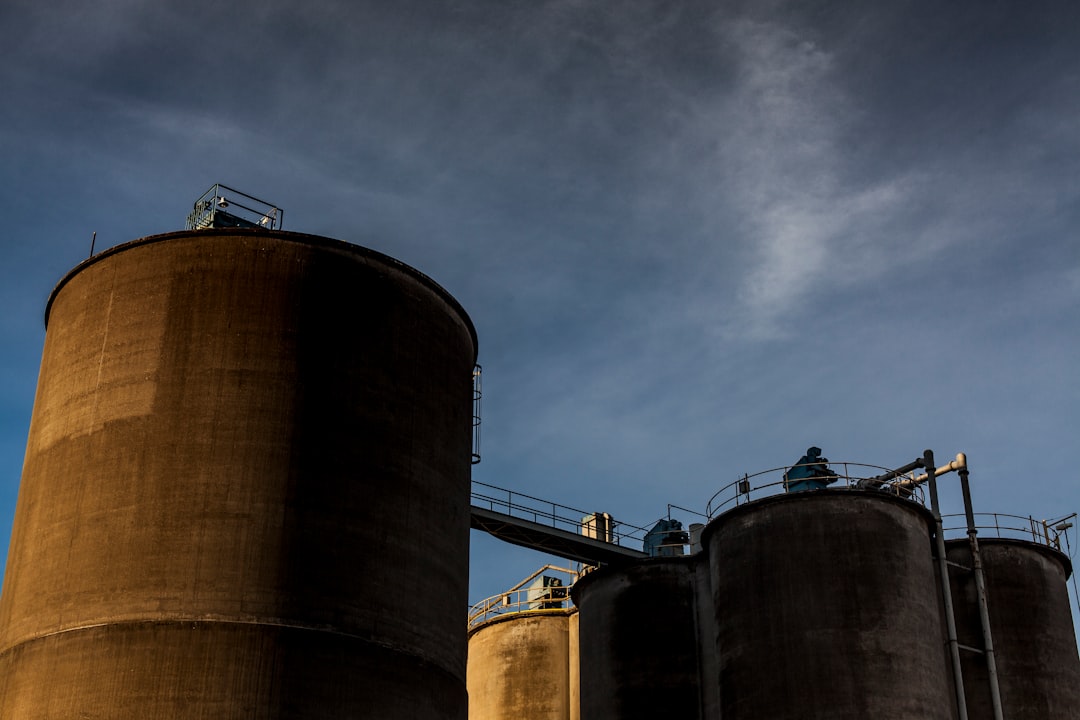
x,y
826,607
270,429
522,665
705,622
1031,626
638,642
195,669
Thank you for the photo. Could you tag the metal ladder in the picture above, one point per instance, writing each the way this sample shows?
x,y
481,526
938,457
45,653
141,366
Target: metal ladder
x,y
946,591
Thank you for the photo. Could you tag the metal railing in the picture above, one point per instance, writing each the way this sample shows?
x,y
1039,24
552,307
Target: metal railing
x,y
544,512
1016,527
774,482
223,206
528,597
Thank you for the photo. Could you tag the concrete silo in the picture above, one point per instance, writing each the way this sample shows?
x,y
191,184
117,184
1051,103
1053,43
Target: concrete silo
x,y
638,640
826,606
1034,642
246,488
524,665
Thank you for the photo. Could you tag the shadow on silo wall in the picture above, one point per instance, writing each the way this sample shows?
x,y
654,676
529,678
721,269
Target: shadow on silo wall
x,y
258,437
1031,627
639,641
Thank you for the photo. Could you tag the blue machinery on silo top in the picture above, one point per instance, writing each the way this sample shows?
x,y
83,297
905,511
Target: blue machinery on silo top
x,y
666,539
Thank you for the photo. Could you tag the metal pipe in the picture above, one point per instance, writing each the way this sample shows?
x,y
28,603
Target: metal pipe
x,y
980,589
961,461
955,465
879,480
946,591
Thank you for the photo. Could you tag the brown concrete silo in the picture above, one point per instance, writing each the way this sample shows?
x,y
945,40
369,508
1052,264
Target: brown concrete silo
x,y
1031,627
524,665
638,640
826,606
246,488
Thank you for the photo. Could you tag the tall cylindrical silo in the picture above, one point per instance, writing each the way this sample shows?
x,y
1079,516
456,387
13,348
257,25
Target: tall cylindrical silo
x,y
246,488
1030,624
522,665
638,640
826,607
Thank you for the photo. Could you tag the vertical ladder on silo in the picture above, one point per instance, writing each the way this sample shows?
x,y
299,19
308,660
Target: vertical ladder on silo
x,y
946,592
477,396
980,591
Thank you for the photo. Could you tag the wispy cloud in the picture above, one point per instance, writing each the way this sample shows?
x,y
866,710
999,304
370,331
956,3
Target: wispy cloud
x,y
808,227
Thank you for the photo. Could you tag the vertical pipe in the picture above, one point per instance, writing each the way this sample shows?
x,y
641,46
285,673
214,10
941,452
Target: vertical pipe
x,y
980,588
946,592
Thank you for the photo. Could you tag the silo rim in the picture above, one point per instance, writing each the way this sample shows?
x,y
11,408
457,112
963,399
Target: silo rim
x,y
522,614
588,578
304,238
813,496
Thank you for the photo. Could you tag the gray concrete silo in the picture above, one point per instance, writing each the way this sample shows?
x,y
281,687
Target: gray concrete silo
x,y
1031,627
826,606
246,488
524,665
638,640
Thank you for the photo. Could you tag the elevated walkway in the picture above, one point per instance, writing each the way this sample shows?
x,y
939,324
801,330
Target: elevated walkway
x,y
565,532
551,540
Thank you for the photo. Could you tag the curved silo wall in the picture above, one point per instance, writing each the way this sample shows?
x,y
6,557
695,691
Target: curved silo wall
x,y
705,615
638,640
246,488
521,665
826,606
1031,627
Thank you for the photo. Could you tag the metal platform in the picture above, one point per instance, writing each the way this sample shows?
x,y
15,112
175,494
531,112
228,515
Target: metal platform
x,y
551,540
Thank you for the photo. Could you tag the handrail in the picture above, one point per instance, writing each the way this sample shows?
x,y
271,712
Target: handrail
x,y
1019,527
545,512
524,598
214,201
771,482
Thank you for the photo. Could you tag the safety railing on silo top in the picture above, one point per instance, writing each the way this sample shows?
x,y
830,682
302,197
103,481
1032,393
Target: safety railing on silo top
x,y
1016,527
546,589
848,475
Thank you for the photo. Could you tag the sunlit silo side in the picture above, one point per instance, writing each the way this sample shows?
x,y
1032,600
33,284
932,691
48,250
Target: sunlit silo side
x,y
246,488
638,640
826,606
523,665
1031,628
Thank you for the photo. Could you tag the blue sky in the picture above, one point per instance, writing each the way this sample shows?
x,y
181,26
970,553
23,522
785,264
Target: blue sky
x,y
695,238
